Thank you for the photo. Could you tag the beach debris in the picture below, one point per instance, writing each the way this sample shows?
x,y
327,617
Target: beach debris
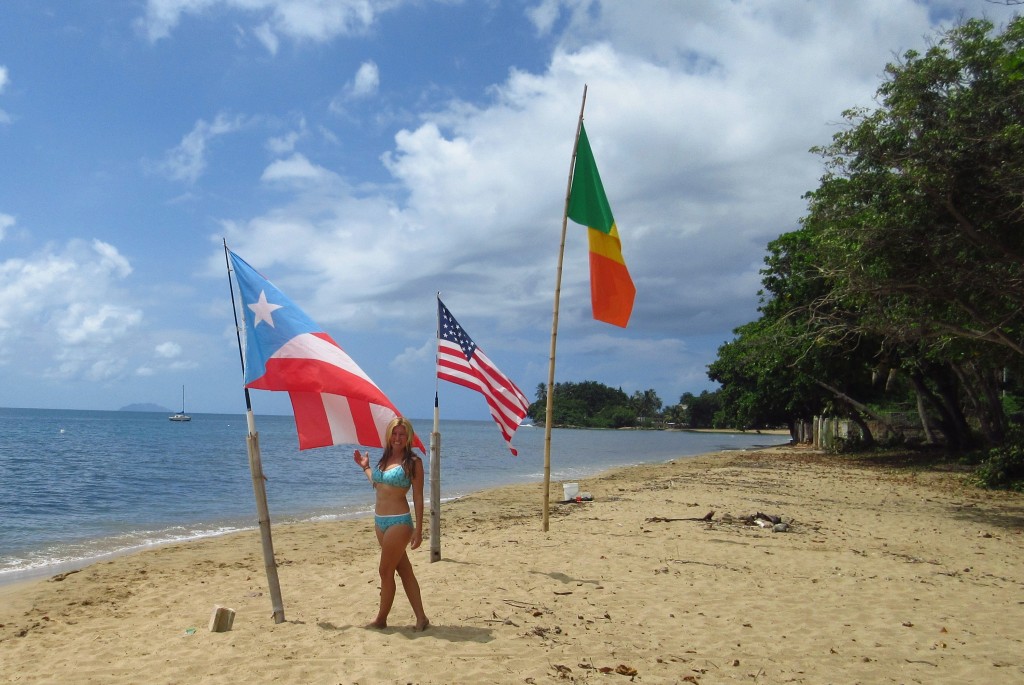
x,y
221,619
621,669
61,576
541,631
663,519
578,498
762,520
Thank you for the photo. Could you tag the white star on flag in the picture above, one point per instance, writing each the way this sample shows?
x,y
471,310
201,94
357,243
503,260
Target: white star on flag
x,y
264,309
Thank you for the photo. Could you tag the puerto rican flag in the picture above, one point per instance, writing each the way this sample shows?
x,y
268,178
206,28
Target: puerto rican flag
x,y
334,401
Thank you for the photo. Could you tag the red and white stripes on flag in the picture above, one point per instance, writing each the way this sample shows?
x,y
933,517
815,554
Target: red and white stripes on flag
x,y
334,401
323,419
461,361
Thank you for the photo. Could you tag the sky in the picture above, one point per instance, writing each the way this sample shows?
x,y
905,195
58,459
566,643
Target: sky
x,y
365,155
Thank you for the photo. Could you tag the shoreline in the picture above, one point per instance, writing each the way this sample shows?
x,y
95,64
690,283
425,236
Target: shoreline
x,y
51,548
885,575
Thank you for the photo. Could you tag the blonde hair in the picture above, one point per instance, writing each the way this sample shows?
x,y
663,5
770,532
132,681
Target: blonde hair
x,y
408,457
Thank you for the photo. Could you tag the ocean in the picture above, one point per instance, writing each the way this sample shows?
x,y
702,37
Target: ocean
x,y
80,486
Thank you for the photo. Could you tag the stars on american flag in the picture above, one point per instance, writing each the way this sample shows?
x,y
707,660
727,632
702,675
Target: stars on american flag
x,y
452,332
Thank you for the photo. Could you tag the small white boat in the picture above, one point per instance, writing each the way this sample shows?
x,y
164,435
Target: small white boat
x,y
181,416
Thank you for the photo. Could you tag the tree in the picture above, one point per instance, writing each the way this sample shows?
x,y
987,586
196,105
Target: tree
x,y
919,223
587,404
801,358
700,410
646,405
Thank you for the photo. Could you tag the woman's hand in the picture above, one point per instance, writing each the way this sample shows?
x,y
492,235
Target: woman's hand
x,y
417,538
362,460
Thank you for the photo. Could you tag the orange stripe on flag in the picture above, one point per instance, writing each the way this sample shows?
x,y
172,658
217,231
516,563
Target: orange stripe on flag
x,y
611,289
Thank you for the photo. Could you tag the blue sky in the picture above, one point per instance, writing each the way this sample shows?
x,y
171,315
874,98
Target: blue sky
x,y
365,154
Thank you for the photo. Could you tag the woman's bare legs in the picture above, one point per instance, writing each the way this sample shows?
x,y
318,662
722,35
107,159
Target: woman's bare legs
x,y
393,559
412,591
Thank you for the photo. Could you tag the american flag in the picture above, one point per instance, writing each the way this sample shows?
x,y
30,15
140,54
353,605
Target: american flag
x,y
461,361
334,401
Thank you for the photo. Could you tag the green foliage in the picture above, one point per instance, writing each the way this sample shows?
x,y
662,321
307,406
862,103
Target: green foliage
x,y
646,406
1003,467
701,409
588,404
910,261
617,417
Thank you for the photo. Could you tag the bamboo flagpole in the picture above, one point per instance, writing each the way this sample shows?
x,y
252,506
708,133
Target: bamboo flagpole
x,y
554,322
252,443
435,463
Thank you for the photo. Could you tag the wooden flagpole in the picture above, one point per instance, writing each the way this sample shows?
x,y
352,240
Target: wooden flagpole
x,y
435,461
252,443
554,323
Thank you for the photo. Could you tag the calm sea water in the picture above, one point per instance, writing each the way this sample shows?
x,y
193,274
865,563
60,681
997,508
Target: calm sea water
x,y
77,486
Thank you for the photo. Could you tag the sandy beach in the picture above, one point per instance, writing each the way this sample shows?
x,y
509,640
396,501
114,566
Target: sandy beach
x,y
885,575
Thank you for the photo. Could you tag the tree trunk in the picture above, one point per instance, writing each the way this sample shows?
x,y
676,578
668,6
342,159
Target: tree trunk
x,y
865,431
864,409
982,392
922,413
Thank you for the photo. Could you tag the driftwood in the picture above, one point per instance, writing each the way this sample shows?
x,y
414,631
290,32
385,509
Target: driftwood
x,y
662,519
770,518
759,519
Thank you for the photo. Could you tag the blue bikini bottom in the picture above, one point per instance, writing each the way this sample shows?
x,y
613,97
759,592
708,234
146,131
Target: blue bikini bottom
x,y
385,522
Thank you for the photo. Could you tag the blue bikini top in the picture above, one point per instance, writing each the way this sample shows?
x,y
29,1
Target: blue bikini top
x,y
394,476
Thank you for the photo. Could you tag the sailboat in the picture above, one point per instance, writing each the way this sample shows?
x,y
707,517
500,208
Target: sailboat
x,y
181,416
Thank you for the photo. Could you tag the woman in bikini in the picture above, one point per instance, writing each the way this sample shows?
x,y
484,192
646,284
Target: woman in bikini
x,y
397,471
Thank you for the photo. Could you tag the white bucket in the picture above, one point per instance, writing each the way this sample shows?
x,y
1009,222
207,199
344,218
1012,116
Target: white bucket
x,y
570,490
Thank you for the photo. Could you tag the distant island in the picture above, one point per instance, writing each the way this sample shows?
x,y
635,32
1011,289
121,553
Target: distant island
x,y
145,406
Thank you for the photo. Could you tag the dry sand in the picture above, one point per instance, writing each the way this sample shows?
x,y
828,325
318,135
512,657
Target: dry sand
x,y
885,575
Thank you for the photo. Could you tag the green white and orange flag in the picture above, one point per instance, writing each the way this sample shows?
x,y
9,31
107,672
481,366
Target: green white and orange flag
x,y
611,289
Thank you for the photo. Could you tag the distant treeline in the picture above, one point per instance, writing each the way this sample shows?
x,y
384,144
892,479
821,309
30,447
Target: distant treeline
x,y
590,404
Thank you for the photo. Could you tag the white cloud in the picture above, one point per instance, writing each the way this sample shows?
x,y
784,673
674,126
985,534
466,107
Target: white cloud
x,y
168,350
283,144
366,81
265,35
187,161
69,304
84,322
111,260
5,118
6,221
364,84
316,20
296,168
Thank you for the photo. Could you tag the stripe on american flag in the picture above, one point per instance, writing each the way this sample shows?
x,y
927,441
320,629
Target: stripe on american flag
x,y
461,361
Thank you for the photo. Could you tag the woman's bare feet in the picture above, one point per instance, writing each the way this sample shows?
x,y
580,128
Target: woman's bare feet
x,y
377,624
422,625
